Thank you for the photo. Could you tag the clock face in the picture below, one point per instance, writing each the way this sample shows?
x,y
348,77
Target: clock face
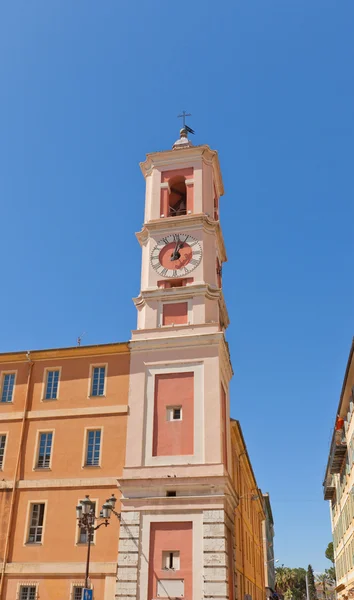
x,y
176,255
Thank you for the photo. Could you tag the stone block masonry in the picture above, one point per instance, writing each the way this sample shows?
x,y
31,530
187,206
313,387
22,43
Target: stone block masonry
x,y
128,557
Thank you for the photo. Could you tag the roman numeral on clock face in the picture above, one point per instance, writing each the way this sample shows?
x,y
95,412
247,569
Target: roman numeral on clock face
x,y
194,262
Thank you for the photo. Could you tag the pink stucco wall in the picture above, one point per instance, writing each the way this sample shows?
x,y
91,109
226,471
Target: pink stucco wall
x,y
172,438
165,537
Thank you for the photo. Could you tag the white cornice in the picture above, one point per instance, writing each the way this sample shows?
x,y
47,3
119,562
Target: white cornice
x,y
82,482
163,341
59,568
182,293
170,158
185,293
186,222
64,413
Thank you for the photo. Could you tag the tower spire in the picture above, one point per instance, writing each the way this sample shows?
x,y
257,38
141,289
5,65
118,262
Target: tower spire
x,y
183,141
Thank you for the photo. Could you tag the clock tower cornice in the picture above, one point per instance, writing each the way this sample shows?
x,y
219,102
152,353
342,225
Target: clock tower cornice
x,y
178,157
184,223
186,293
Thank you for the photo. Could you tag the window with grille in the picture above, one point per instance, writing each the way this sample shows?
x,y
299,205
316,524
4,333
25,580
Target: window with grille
x,y
83,536
2,449
174,413
51,388
28,592
36,524
77,592
98,376
170,560
44,450
93,448
8,382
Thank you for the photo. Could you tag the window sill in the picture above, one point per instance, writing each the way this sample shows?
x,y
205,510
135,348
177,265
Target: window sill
x,y
91,466
49,399
9,402
42,469
85,544
100,396
33,544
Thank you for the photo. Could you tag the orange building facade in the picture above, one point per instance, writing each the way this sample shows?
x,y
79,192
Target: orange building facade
x,y
63,433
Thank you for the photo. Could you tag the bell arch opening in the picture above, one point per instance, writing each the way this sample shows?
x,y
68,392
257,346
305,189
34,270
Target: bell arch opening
x,y
177,200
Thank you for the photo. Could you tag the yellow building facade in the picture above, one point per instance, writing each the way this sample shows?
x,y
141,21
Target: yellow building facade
x,y
63,420
339,485
249,516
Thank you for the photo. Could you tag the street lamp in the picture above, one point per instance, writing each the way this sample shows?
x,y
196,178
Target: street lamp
x,y
86,519
275,560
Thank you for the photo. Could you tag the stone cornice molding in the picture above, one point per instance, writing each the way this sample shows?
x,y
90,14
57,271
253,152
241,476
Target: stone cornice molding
x,y
64,413
178,294
60,568
62,353
167,158
163,341
185,222
187,502
187,481
67,483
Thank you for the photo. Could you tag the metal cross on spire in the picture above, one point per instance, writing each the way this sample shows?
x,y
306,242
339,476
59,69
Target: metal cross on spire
x,y
185,130
183,116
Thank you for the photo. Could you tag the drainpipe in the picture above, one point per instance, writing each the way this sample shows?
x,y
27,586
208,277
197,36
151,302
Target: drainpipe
x,y
14,484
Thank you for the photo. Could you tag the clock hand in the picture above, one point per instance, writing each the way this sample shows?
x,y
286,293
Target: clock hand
x,y
175,254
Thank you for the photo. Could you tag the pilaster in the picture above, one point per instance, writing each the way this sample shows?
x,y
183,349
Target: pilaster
x,y
128,556
216,555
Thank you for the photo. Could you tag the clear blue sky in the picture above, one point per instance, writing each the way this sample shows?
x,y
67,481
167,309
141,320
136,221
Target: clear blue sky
x,y
87,89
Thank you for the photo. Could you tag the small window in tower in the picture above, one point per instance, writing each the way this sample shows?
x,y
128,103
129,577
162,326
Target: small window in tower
x,y
178,197
170,560
177,414
174,413
171,494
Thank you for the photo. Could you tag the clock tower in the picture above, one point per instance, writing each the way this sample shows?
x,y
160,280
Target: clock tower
x,y
177,525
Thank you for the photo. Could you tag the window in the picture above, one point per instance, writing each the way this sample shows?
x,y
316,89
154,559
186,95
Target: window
x,y
98,377
51,387
170,560
2,449
8,383
83,537
28,592
171,494
77,592
36,524
93,448
44,450
174,413
177,414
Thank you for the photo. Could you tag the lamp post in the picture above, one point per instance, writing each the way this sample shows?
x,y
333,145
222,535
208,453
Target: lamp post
x,y
86,519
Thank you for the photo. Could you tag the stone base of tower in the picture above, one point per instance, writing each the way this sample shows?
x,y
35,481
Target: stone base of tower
x,y
128,556
212,568
218,555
